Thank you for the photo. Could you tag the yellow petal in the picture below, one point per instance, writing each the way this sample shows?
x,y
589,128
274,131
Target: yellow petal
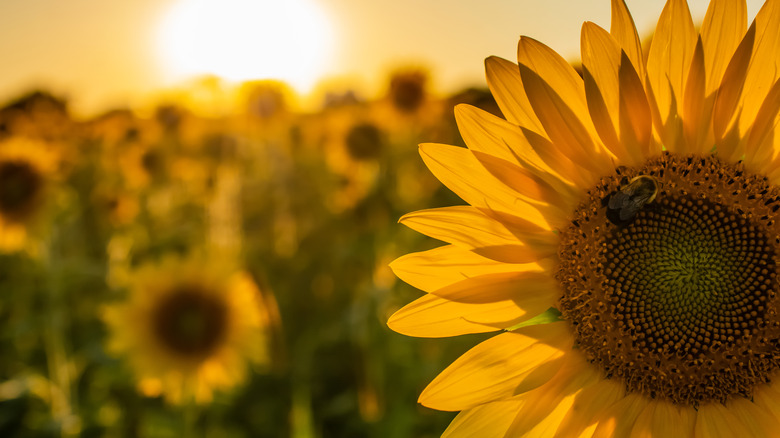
x,y
490,420
601,63
461,172
484,132
500,367
757,421
565,129
493,135
556,72
558,158
534,292
773,168
731,86
478,304
557,95
553,197
723,28
529,148
503,79
600,57
469,228
760,148
713,420
767,397
546,422
439,267
668,63
431,316
764,65
697,108
636,124
624,32
548,404
589,406
619,419
662,418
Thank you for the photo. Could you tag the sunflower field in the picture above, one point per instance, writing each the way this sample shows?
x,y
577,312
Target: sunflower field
x,y
588,249
174,274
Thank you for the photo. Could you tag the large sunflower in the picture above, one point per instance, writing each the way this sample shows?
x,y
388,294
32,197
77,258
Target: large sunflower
x,y
640,201
189,327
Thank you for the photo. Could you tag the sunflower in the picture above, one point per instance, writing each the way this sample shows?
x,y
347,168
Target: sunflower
x,y
26,171
408,89
353,145
634,211
189,327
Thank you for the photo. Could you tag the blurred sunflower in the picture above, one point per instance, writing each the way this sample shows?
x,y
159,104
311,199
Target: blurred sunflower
x,y
118,207
635,211
114,128
353,147
364,142
408,89
189,328
26,170
409,108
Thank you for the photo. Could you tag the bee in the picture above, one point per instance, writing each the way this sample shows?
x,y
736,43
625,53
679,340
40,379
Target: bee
x,y
627,202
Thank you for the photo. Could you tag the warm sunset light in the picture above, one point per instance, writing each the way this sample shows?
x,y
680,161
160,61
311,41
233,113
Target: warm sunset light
x,y
246,39
232,218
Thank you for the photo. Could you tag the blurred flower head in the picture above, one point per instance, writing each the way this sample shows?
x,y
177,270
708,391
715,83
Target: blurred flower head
x,y
38,114
114,204
169,117
189,327
408,89
266,99
353,146
26,170
364,141
114,127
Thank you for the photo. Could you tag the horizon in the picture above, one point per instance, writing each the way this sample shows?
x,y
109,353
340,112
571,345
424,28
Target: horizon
x,y
106,56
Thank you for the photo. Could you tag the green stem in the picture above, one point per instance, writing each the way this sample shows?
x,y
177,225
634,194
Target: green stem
x,y
190,419
301,416
55,345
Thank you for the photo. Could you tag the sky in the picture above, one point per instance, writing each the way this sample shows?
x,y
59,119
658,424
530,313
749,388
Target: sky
x,y
107,53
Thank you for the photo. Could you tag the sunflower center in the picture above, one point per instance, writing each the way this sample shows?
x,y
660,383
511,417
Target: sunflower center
x,y
677,297
190,322
20,184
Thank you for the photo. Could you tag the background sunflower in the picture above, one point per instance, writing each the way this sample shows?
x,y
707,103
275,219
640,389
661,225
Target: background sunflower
x,y
28,171
189,328
137,209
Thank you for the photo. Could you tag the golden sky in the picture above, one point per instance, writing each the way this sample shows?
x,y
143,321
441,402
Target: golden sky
x,y
103,53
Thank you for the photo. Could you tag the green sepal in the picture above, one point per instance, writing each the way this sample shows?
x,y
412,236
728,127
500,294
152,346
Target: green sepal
x,y
548,316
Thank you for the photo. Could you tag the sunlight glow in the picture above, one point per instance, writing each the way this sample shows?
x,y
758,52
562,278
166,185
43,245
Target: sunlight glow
x,y
240,40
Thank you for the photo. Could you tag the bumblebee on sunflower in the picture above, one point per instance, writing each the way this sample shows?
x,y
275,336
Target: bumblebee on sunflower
x,y
669,314
189,327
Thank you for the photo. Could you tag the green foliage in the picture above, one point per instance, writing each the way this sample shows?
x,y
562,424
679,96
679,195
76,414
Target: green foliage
x,y
279,194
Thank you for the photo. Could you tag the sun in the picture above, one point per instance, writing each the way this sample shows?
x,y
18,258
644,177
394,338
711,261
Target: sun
x,y
243,40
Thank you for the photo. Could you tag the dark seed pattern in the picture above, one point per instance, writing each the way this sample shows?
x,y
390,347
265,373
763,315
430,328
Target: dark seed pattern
x,y
681,302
